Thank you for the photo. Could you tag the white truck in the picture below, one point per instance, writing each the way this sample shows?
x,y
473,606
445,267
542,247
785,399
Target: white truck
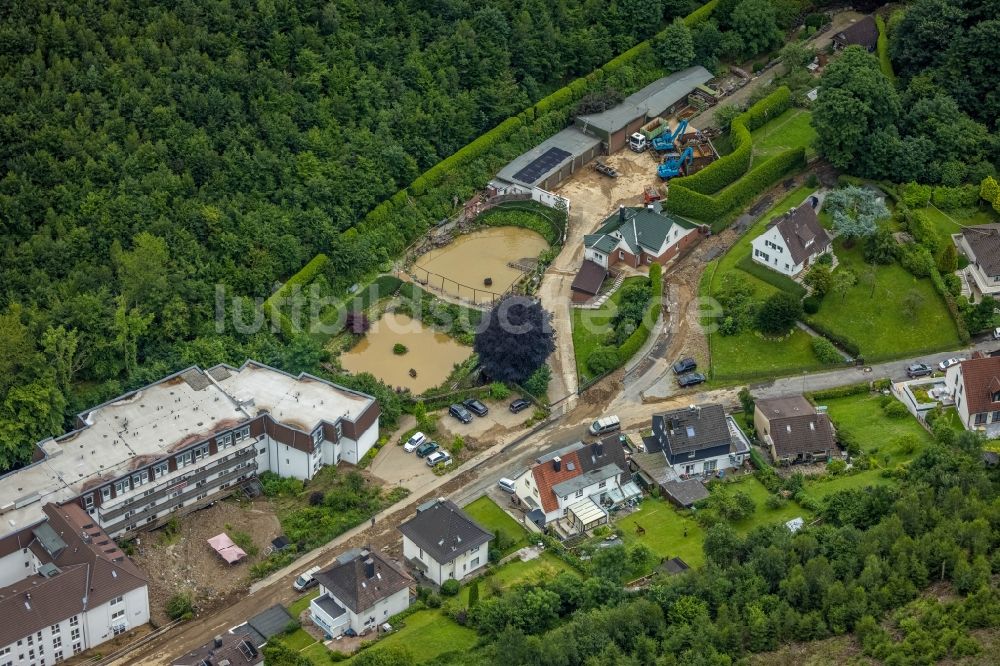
x,y
638,142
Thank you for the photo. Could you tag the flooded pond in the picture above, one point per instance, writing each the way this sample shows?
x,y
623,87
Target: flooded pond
x,y
431,354
463,264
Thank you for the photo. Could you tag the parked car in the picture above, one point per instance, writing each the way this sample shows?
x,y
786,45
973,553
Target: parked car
x,y
476,407
996,333
917,370
690,379
507,485
605,425
413,442
685,365
438,457
306,579
520,405
426,449
948,362
460,413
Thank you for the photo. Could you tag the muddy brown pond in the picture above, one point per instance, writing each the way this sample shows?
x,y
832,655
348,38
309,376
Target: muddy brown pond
x,y
431,354
468,260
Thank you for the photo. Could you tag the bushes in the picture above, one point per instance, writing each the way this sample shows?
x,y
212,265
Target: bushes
x,y
180,606
450,587
884,63
296,282
840,392
810,305
989,191
949,198
826,352
915,195
603,360
949,301
701,14
634,343
845,343
894,409
917,260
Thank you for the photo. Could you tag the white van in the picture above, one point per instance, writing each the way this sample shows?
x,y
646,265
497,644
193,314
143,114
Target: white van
x,y
506,485
306,579
605,425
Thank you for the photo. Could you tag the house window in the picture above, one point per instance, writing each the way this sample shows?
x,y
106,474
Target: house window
x,y
621,254
317,436
200,451
160,469
710,465
88,501
117,600
58,656
57,642
75,635
579,493
106,493
980,418
602,484
474,550
184,459
117,614
224,441
996,396
122,486
242,433
996,417
74,621
77,648
474,562
786,267
54,629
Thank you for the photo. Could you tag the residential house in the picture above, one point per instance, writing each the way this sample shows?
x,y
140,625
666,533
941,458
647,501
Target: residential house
x,y
975,385
981,245
863,33
698,440
188,440
65,587
579,483
793,431
443,542
639,236
359,592
793,242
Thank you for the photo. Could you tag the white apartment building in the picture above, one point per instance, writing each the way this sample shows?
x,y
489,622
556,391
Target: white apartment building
x,y
188,440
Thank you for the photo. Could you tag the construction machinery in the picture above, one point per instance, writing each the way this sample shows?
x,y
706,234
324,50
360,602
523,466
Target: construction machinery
x,y
666,140
672,166
654,128
651,194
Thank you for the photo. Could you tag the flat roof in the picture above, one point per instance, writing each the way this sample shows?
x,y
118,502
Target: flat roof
x,y
546,158
134,429
652,100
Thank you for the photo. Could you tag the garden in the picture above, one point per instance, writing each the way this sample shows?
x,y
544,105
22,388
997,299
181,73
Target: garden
x,y
792,129
607,337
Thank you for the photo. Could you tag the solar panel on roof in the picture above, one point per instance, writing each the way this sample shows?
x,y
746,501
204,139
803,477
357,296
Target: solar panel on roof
x,y
544,162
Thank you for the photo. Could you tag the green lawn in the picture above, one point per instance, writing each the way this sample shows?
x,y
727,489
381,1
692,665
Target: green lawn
x,y
590,327
871,477
427,634
789,130
763,515
665,528
298,640
951,221
302,603
492,517
874,313
749,354
876,433
544,566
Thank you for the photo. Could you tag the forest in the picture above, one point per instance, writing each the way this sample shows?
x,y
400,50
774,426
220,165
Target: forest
x,y
151,151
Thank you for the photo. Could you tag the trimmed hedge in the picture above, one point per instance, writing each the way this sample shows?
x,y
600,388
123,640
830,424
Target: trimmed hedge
x,y
634,343
777,280
949,198
686,202
884,63
272,306
701,14
949,301
728,169
841,392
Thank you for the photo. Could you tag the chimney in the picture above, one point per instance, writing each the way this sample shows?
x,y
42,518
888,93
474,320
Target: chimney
x,y
217,641
621,213
369,568
557,463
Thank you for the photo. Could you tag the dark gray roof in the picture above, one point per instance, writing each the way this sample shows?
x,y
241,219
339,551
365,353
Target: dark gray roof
x,y
984,241
803,433
651,101
51,542
863,33
271,622
349,580
588,478
547,157
686,492
331,607
640,228
802,233
692,429
589,278
444,531
238,649
674,566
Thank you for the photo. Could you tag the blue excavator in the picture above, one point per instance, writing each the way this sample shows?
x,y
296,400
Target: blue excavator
x,y
666,140
672,166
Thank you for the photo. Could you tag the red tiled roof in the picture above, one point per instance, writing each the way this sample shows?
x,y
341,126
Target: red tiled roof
x,y
546,476
981,377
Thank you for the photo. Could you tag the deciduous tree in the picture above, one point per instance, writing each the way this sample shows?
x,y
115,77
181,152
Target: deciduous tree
x,y
516,340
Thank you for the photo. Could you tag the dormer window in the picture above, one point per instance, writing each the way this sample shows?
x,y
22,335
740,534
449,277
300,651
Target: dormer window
x,y
317,436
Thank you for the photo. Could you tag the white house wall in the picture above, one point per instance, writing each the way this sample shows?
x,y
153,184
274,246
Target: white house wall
x,y
381,611
776,261
99,623
597,257
464,565
724,462
16,566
